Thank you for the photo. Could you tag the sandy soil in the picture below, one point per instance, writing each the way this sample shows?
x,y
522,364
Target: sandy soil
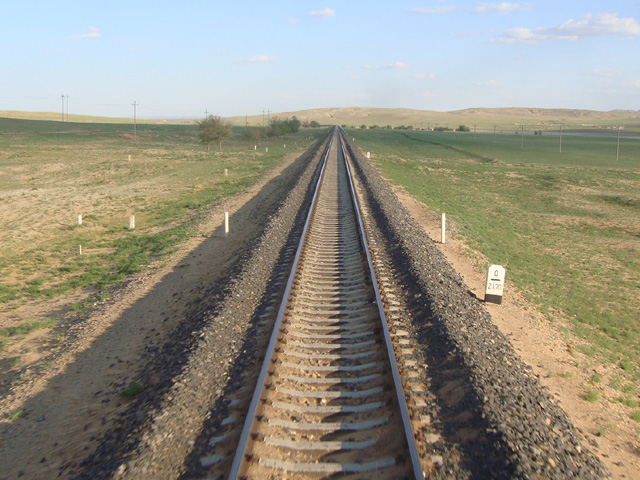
x,y
608,431
74,399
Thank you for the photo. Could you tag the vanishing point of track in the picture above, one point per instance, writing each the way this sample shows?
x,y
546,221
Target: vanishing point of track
x,y
329,399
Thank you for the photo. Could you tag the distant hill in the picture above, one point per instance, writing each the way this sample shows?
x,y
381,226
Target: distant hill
x,y
481,117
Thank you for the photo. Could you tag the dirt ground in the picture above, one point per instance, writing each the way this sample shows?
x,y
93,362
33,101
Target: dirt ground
x,y
76,396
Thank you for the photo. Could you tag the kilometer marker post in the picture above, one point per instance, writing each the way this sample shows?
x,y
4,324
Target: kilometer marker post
x,y
495,284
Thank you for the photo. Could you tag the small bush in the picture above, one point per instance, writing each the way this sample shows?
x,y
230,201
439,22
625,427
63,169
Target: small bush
x,y
133,390
16,415
591,396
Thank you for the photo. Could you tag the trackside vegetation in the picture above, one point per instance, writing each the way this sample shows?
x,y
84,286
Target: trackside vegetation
x,y
53,171
566,225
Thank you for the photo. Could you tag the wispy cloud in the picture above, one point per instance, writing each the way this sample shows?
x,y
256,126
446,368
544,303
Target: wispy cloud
x,y
91,34
260,59
291,21
421,76
589,25
503,7
327,12
490,83
386,67
436,10
256,59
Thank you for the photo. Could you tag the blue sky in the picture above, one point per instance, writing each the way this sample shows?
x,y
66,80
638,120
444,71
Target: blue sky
x,y
180,59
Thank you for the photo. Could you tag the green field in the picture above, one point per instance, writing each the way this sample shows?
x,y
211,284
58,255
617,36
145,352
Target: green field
x,y
53,171
566,226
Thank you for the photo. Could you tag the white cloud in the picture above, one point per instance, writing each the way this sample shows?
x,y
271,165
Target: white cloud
x,y
327,12
490,83
589,25
420,76
503,7
291,21
386,67
91,34
258,59
435,10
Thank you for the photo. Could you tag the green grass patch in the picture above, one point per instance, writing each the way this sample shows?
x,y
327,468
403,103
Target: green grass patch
x,y
16,415
26,328
133,390
169,183
591,396
564,224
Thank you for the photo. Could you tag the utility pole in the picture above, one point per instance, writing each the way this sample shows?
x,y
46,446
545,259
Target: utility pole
x,y
62,106
494,134
522,136
560,138
618,145
206,114
67,108
135,129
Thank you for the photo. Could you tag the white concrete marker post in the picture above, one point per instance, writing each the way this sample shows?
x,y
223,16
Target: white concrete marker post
x,y
368,154
495,284
226,223
132,222
79,219
226,172
79,249
443,228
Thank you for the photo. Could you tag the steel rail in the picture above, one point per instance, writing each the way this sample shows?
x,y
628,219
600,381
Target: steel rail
x,y
404,412
242,443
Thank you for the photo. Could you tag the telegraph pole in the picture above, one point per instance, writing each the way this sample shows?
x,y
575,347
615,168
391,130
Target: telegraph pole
x,y
135,129
206,114
62,106
560,138
67,108
618,145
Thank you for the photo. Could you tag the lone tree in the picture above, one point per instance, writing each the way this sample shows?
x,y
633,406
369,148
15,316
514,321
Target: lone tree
x,y
213,129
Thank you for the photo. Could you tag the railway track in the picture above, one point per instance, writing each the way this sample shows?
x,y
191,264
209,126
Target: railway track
x,y
329,399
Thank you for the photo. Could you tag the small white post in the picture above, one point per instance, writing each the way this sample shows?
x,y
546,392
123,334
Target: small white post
x,y
443,228
255,147
226,172
495,284
226,223
266,149
79,219
129,157
284,145
132,222
368,154
79,249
